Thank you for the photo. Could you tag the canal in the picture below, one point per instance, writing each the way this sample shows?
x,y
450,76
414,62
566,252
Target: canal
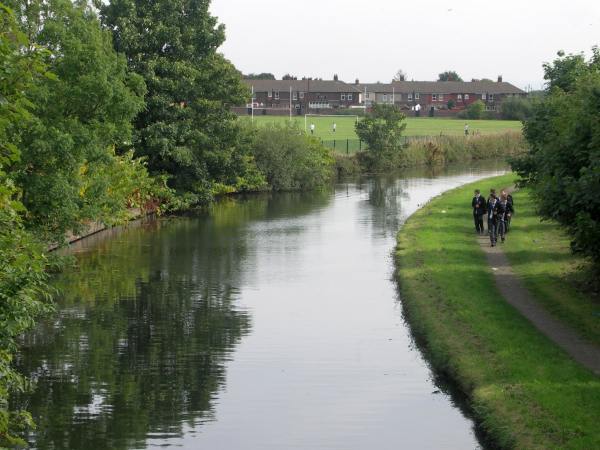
x,y
268,322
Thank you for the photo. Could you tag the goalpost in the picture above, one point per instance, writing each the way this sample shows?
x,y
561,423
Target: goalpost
x,y
338,116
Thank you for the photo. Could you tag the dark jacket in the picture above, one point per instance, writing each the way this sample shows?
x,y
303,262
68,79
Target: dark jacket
x,y
478,201
504,209
491,210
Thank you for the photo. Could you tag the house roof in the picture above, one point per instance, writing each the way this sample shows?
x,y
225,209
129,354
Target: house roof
x,y
444,87
301,85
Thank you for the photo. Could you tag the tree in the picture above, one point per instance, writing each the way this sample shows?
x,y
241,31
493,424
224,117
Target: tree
x,y
451,104
68,166
24,293
382,131
562,165
400,75
475,110
449,75
288,76
260,76
186,129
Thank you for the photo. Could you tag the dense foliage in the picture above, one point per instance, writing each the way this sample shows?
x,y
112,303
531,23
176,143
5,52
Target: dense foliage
x,y
290,159
69,173
449,75
516,108
382,130
24,293
186,129
563,163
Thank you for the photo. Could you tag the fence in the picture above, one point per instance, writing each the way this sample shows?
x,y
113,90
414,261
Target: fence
x,y
351,146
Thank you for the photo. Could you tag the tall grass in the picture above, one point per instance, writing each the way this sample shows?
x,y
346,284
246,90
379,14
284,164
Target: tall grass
x,y
437,150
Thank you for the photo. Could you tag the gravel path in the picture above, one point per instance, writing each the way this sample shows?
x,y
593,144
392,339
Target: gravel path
x,y
518,296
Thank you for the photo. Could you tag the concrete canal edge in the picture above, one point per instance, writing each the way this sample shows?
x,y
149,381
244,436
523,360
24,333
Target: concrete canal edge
x,y
525,391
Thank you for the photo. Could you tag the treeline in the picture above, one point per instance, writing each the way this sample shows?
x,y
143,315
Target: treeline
x,y
563,164
107,108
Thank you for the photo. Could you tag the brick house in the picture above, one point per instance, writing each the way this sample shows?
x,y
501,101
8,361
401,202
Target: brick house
x,y
437,94
307,96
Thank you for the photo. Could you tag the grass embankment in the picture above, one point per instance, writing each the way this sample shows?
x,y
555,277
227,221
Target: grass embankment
x,y
415,126
539,253
526,392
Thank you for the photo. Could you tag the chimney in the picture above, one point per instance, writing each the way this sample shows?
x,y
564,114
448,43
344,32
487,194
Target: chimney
x,y
499,78
335,77
356,81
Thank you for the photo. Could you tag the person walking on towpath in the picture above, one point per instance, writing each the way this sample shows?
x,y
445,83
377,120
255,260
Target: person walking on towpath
x,y
492,217
478,205
312,128
509,199
504,212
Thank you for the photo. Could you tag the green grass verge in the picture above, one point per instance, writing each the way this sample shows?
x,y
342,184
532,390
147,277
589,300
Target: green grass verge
x,y
539,253
415,126
526,392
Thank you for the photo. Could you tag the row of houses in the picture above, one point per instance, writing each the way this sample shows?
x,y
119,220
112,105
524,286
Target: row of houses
x,y
330,96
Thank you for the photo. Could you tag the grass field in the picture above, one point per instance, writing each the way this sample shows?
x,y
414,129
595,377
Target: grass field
x,y
415,126
525,391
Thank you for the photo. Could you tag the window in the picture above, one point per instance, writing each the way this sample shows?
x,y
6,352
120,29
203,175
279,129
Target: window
x,y
416,96
466,96
297,106
482,96
459,97
276,95
441,97
270,94
385,97
301,94
410,97
367,95
434,97
349,97
491,97
399,96
343,97
295,96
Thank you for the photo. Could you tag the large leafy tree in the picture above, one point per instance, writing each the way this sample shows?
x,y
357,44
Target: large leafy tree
x,y
563,163
23,288
68,165
186,129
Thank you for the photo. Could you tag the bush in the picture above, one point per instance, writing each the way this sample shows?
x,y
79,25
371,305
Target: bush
x,y
289,159
475,110
516,108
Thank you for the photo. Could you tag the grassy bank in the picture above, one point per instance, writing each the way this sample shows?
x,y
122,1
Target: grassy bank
x,y
525,391
539,253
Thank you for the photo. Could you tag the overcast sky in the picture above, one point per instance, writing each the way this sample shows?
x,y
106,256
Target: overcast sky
x,y
372,39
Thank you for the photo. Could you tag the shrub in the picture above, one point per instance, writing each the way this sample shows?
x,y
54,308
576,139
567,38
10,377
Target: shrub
x,y
475,110
516,108
289,159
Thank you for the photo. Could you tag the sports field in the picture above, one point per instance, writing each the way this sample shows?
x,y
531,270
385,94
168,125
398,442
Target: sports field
x,y
415,126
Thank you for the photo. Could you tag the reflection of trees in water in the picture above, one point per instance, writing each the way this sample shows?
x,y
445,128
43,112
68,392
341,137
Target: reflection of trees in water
x,y
145,327
385,196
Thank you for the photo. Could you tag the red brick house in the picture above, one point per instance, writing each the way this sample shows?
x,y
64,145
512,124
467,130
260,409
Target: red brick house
x,y
437,94
307,96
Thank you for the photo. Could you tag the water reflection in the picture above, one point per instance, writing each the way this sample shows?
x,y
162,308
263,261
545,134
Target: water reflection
x,y
267,322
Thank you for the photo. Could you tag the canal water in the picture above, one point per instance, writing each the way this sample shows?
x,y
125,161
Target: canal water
x,y
269,322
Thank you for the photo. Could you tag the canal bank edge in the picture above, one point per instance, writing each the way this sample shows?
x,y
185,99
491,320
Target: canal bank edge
x,y
524,390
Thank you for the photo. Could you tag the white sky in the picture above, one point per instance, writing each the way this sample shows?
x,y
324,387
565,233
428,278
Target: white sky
x,y
372,39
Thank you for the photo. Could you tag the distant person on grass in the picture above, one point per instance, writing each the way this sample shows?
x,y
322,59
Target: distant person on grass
x,y
492,217
466,129
312,128
478,205
334,127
